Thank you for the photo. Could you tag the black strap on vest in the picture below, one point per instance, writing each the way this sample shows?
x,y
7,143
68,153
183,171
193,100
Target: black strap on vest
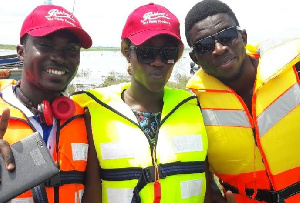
x,y
63,177
268,195
120,174
39,194
165,170
146,175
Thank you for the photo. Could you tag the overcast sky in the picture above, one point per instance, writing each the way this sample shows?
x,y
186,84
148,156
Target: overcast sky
x,y
104,19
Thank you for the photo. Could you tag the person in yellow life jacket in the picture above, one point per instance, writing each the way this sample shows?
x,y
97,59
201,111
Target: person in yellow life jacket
x,y
150,139
50,42
250,105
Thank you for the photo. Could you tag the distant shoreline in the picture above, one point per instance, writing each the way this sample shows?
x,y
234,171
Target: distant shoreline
x,y
8,47
13,47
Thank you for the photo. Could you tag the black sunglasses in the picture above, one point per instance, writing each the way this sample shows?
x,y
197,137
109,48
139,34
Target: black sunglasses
x,y
225,37
146,55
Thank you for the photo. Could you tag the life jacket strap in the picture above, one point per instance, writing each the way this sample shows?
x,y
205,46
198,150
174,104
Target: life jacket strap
x,y
39,194
147,175
267,195
120,174
169,169
165,170
65,177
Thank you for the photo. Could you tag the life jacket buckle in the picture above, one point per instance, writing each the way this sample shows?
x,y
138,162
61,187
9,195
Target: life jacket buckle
x,y
276,197
54,181
149,174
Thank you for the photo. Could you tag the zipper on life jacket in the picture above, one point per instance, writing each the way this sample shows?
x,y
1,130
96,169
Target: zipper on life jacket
x,y
156,185
152,140
157,188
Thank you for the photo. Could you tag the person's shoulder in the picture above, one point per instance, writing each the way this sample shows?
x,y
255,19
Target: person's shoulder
x,y
110,91
6,82
181,98
183,93
82,98
269,45
103,94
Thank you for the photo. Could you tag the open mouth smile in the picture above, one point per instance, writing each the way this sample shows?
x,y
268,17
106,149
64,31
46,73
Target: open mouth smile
x,y
55,72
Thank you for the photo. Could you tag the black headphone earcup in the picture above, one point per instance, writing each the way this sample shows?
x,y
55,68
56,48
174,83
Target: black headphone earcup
x,y
63,107
45,113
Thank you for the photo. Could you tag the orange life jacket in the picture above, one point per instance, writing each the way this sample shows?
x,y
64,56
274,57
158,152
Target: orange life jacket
x,y
70,154
264,168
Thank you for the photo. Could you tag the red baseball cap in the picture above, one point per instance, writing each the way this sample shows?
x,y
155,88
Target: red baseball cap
x,y
46,19
148,21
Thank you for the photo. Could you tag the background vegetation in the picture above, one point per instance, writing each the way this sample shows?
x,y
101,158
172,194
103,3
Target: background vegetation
x,y
115,78
10,47
13,47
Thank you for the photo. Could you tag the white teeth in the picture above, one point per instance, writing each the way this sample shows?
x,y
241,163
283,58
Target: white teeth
x,y
55,72
227,61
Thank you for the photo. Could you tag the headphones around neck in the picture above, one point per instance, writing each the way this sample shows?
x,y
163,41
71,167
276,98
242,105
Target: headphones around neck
x,y
61,108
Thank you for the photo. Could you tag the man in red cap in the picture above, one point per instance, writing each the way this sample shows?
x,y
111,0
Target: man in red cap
x,y
50,41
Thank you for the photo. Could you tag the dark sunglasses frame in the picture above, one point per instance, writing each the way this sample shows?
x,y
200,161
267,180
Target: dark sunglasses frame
x,y
147,55
207,44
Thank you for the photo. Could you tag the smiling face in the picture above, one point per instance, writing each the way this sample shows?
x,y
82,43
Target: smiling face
x,y
225,62
50,62
152,76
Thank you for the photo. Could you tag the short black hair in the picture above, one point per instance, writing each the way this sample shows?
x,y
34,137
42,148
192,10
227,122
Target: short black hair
x,y
202,10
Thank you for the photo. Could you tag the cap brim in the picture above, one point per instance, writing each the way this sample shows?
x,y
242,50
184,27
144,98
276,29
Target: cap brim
x,y
84,37
141,37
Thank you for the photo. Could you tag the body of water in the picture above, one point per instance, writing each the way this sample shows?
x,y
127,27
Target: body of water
x,y
96,65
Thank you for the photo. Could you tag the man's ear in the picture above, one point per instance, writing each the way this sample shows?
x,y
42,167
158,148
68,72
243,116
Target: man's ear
x,y
126,51
20,52
193,57
244,36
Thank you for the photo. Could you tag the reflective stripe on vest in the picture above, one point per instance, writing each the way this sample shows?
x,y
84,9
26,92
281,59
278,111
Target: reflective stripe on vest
x,y
277,110
22,200
216,117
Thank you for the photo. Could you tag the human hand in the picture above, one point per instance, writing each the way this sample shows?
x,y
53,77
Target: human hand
x,y
230,197
5,149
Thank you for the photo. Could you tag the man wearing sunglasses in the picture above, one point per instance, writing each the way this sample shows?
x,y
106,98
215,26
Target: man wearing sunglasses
x,y
250,105
150,139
